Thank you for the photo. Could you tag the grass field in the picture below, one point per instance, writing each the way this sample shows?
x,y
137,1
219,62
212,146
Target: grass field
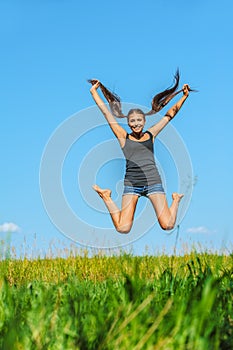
x,y
117,302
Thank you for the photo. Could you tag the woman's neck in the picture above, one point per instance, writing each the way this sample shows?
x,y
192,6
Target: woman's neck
x,y
137,136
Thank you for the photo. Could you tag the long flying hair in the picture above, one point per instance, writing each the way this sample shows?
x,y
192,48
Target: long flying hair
x,y
158,102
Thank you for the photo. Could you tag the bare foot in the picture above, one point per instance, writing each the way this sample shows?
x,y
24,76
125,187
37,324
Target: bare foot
x,y
105,194
177,196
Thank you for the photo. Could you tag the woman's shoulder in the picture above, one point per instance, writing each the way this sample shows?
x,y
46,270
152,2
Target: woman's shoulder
x,y
149,133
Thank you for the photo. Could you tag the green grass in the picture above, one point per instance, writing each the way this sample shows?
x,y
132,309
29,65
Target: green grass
x,y
118,302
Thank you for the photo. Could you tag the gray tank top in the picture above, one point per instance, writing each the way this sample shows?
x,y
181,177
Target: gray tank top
x,y
141,169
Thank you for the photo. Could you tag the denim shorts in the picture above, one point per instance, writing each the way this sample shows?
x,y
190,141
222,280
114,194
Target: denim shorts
x,y
144,190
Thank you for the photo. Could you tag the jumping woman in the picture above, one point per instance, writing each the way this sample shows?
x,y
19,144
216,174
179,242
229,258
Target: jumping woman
x,y
142,177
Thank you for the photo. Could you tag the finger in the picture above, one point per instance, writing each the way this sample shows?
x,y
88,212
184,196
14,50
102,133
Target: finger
x,y
186,87
93,81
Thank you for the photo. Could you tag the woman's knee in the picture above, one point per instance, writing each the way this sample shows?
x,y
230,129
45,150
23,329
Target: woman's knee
x,y
166,225
124,228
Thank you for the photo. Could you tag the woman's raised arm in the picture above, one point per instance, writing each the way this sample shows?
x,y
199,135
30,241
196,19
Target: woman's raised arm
x,y
155,129
119,132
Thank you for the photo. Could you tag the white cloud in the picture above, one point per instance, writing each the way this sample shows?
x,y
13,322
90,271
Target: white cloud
x,y
199,229
9,227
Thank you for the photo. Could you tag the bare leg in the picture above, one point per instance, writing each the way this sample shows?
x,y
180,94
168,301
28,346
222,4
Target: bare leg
x,y
166,216
122,219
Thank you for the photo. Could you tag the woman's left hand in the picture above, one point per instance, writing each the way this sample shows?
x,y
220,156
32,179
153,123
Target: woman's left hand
x,y
95,84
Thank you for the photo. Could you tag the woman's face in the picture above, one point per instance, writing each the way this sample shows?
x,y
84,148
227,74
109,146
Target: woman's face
x,y
136,122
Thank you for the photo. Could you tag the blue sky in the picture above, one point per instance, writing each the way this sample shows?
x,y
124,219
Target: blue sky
x,y
49,49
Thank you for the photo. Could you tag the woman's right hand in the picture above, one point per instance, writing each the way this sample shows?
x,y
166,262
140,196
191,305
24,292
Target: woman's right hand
x,y
186,89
